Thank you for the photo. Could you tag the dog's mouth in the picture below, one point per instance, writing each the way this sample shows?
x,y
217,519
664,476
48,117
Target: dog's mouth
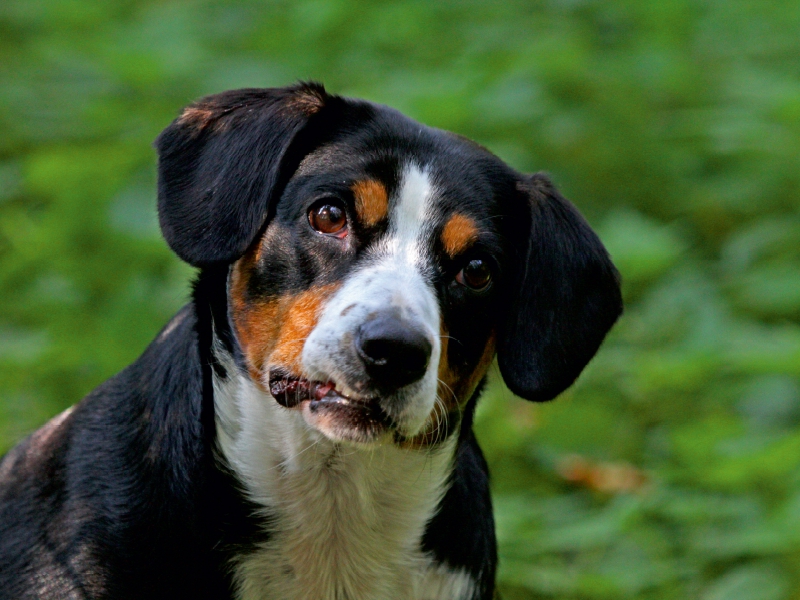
x,y
291,391
331,411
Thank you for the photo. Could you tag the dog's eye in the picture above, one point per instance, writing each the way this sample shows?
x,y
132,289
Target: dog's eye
x,y
328,216
476,275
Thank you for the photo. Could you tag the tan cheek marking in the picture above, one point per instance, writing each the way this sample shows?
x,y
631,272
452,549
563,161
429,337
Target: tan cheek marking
x,y
272,332
257,327
454,392
447,378
299,321
372,201
455,389
253,321
469,383
458,234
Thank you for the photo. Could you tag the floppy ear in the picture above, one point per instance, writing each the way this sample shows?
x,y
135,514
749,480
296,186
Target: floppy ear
x,y
564,296
221,162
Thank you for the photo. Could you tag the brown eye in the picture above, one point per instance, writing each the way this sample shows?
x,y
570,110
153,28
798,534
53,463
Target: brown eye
x,y
476,275
328,217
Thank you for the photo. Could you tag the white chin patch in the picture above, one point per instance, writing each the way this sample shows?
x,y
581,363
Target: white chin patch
x,y
392,277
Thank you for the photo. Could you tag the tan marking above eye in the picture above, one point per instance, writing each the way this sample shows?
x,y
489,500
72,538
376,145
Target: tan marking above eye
x,y
459,233
372,201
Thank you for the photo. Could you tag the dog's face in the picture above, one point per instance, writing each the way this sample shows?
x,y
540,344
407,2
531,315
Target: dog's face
x,y
367,301
377,265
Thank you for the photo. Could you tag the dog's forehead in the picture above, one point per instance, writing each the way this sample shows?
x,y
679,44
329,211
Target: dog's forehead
x,y
398,165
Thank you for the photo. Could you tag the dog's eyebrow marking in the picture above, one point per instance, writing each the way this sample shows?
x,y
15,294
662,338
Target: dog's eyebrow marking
x,y
459,233
372,201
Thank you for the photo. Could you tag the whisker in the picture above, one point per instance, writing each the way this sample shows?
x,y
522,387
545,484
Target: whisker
x,y
286,460
441,422
449,389
450,337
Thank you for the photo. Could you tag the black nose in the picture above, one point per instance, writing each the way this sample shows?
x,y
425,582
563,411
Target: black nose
x,y
394,352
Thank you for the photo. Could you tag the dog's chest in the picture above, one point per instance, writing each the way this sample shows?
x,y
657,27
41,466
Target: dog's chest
x,y
343,523
333,535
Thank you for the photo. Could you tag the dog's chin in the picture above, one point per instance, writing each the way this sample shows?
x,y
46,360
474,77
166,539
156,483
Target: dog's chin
x,y
347,422
337,416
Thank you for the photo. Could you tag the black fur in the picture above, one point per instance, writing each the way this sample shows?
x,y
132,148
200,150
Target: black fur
x,y
222,162
565,296
126,498
461,534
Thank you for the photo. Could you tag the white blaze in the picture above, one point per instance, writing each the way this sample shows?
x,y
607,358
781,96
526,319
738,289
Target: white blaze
x,y
392,277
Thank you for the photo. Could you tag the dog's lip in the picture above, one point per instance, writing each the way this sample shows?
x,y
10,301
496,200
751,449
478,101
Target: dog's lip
x,y
289,391
363,415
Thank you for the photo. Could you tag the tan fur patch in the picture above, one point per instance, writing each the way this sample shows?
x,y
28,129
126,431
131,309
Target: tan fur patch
x,y
458,234
447,378
203,114
372,201
196,116
308,100
299,319
469,383
454,391
272,331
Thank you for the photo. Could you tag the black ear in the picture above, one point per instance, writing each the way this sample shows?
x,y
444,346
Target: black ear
x,y
221,162
564,296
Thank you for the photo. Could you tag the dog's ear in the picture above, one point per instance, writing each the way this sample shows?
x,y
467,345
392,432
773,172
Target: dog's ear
x,y
222,161
564,296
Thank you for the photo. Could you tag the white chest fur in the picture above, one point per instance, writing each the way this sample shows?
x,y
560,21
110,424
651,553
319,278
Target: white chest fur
x,y
344,523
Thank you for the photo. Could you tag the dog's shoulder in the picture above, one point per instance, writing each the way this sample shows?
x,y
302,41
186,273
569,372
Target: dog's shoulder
x,y
108,499
32,484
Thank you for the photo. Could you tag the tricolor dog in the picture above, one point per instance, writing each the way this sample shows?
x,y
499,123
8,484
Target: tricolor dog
x,y
302,429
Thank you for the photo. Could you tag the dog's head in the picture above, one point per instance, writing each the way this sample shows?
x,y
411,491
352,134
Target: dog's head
x,y
378,265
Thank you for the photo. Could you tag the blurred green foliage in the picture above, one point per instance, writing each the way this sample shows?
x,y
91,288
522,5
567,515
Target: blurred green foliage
x,y
672,469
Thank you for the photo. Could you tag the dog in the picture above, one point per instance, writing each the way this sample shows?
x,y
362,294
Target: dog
x,y
302,429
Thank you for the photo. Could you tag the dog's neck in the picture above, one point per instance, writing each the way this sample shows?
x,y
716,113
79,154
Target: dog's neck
x,y
342,520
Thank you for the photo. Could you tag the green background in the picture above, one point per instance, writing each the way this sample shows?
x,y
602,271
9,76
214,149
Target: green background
x,y
672,469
